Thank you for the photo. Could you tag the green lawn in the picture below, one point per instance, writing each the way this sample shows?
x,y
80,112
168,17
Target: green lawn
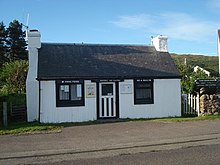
x,y
32,128
182,119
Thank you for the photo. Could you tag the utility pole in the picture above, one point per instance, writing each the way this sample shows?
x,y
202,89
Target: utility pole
x,y
218,50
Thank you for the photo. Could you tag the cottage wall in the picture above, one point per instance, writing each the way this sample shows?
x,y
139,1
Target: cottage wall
x,y
167,101
52,114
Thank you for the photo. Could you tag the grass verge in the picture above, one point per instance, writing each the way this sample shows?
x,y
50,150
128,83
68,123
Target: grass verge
x,y
182,119
32,128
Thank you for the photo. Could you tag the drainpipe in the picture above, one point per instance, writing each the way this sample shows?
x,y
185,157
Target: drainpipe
x,y
39,101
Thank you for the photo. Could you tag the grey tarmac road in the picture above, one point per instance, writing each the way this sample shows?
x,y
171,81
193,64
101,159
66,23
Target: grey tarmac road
x,y
106,140
198,155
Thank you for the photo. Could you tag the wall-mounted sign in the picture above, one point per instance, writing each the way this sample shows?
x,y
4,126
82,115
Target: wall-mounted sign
x,y
207,83
90,90
144,80
107,80
69,81
126,88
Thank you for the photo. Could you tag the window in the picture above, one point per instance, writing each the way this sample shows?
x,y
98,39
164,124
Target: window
x,y
107,89
143,91
70,93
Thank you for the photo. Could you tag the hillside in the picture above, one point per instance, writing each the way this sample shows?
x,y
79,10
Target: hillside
x,y
209,63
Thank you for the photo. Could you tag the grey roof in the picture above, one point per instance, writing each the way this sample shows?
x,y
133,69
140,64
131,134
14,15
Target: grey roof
x,y
90,61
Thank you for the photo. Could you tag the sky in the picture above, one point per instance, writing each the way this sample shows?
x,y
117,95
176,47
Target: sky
x,y
191,25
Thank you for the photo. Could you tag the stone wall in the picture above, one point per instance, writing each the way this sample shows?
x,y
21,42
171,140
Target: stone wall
x,y
209,104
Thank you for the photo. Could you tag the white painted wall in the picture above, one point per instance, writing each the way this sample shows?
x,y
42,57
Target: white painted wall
x,y
167,101
52,114
32,86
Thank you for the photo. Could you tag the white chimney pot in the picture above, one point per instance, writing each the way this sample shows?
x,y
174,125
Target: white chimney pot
x,y
160,43
34,40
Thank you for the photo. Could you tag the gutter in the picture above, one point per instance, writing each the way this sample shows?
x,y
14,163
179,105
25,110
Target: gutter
x,y
108,77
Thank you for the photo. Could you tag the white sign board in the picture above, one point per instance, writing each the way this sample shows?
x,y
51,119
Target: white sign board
x,y
126,88
90,90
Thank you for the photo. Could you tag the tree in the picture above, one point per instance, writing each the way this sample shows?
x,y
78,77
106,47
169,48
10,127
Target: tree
x,y
189,77
3,43
13,76
16,42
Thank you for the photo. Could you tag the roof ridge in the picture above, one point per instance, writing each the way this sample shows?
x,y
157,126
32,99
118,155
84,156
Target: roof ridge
x,y
96,44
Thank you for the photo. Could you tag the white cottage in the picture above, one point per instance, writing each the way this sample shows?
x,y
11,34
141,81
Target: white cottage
x,y
85,82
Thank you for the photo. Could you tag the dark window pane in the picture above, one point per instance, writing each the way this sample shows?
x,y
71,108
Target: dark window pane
x,y
143,85
107,89
64,92
76,91
69,93
143,93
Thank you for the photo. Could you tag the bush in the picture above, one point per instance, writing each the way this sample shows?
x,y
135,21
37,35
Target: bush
x,y
13,77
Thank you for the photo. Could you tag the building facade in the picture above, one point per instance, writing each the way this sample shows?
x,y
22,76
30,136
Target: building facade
x,y
86,82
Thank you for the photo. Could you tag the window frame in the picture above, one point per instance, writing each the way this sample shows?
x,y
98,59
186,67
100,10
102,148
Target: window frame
x,y
69,102
151,87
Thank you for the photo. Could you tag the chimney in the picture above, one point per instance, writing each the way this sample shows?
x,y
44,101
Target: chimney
x,y
160,43
32,85
34,39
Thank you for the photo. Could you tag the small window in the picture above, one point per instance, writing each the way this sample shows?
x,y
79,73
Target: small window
x,y
143,91
70,93
107,89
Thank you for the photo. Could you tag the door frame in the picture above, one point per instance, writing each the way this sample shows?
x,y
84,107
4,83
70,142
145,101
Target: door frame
x,y
116,100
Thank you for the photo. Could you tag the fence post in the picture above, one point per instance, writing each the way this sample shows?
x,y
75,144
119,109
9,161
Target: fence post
x,y
5,115
189,104
198,104
194,104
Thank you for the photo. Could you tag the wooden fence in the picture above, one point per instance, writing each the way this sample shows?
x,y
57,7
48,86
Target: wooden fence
x,y
18,113
9,113
190,105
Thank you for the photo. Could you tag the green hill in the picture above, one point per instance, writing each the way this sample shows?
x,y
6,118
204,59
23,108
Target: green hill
x,y
210,63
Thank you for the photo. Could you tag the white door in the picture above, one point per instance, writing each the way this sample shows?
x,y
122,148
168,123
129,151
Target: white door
x,y
107,107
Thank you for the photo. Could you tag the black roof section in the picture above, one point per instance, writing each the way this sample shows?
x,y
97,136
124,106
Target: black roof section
x,y
94,61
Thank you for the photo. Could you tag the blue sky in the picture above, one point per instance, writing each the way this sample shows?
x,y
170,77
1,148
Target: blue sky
x,y
191,25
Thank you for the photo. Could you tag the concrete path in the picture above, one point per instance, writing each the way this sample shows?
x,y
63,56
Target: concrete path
x,y
106,139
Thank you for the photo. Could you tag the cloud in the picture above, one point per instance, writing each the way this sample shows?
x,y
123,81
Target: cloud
x,y
185,27
133,21
175,25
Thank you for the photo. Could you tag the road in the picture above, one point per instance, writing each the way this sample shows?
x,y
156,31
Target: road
x,y
105,141
201,155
